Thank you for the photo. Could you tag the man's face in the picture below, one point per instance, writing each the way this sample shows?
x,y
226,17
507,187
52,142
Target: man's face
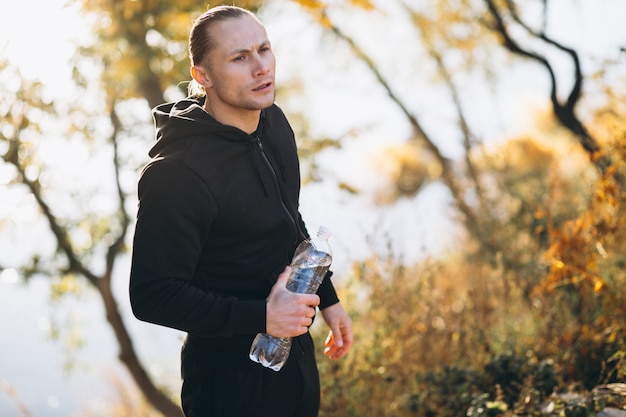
x,y
241,67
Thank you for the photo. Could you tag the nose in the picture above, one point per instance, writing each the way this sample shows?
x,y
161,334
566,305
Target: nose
x,y
262,64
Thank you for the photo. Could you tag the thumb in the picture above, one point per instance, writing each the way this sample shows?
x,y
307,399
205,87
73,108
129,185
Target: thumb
x,y
283,277
337,336
280,284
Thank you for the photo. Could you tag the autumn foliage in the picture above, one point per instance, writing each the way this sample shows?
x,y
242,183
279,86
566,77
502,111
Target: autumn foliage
x,y
460,335
527,307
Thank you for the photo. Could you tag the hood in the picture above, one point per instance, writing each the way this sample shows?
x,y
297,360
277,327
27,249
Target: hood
x,y
182,119
186,118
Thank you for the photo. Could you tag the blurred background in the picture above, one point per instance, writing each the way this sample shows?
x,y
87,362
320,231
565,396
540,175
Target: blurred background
x,y
468,156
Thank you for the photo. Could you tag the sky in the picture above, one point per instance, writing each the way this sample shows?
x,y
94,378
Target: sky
x,y
38,36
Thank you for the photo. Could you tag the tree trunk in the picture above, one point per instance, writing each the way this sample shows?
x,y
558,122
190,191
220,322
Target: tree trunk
x,y
129,357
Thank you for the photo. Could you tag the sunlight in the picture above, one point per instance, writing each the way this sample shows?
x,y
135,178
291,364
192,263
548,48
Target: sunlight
x,y
9,276
39,38
341,100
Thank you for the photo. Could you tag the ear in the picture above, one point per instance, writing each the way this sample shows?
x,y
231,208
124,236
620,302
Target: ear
x,y
201,76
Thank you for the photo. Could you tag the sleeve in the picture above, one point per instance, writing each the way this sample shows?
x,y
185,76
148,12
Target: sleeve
x,y
326,291
173,219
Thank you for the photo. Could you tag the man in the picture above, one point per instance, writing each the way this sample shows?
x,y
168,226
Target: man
x,y
217,225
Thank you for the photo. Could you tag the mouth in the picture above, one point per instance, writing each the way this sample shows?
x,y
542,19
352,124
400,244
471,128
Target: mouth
x,y
263,87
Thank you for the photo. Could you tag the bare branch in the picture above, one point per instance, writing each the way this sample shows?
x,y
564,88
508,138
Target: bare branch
x,y
62,238
578,79
447,169
564,112
468,136
118,244
12,392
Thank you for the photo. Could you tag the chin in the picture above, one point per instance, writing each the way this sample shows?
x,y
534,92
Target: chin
x,y
267,103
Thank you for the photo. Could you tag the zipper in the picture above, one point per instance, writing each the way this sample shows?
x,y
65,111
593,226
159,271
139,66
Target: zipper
x,y
292,220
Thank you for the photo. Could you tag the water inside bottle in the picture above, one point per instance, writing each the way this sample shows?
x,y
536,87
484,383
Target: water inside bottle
x,y
271,352
307,275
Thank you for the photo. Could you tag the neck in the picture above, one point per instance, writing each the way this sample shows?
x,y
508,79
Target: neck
x,y
246,120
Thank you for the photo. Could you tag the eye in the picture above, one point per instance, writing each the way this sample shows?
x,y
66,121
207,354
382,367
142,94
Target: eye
x,y
239,58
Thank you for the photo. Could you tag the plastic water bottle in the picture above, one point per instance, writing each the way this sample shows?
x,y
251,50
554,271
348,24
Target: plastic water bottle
x,y
308,268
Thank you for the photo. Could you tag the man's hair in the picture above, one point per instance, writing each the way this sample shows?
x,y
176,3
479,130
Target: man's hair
x,y
200,40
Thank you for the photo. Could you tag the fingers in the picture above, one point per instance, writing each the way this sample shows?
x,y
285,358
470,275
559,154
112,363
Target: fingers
x,y
312,300
307,317
340,337
333,350
289,314
303,317
337,338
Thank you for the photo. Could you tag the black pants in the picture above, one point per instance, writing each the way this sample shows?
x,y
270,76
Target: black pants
x,y
238,387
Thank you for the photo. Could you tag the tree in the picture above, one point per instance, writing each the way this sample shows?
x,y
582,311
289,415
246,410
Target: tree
x,y
22,110
139,50
139,56
461,41
516,201
503,18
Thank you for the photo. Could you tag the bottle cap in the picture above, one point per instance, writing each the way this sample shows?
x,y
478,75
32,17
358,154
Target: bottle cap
x,y
324,232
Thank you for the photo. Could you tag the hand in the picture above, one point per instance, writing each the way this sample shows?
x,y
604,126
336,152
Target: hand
x,y
288,314
340,337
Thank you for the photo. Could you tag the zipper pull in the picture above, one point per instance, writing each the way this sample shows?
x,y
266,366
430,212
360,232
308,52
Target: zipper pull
x,y
258,141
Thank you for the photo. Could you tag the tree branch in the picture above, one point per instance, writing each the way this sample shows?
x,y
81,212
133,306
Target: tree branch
x,y
468,136
565,113
448,176
116,247
62,238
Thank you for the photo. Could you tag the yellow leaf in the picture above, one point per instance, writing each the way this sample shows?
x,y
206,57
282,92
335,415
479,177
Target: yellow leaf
x,y
598,284
325,21
311,4
611,337
365,4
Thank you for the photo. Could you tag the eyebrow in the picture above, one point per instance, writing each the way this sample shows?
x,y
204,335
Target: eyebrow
x,y
247,50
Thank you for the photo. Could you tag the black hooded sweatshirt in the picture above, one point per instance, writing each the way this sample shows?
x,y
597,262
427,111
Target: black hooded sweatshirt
x,y
217,222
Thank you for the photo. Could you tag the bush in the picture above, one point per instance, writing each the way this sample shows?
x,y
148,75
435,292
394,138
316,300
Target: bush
x,y
462,336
